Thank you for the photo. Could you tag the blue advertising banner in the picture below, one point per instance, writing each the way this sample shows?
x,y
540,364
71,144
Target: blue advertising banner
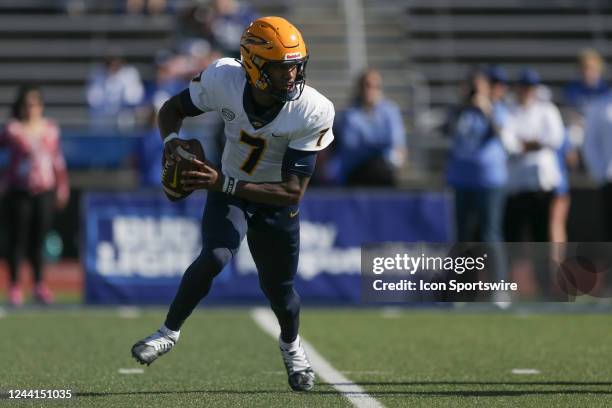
x,y
137,245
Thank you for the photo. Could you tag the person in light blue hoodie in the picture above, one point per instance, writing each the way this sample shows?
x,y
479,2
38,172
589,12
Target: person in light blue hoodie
x,y
477,169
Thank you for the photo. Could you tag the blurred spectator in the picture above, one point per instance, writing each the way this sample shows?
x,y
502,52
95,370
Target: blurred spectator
x,y
168,79
533,135
37,182
152,7
477,172
371,141
597,151
499,86
498,80
196,56
113,91
175,70
579,93
75,7
567,157
149,152
477,168
560,205
220,23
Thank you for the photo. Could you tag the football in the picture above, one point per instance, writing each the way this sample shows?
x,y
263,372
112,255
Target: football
x,y
171,172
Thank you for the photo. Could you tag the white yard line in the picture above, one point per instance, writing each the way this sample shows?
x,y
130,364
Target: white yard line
x,y
266,320
391,313
129,312
525,371
131,371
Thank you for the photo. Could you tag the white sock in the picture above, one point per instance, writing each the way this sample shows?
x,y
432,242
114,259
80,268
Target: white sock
x,y
174,335
290,346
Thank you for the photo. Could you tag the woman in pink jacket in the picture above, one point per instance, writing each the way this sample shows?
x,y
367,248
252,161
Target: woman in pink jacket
x,y
37,183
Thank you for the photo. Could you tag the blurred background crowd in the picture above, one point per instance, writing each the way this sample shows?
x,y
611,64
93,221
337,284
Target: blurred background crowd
x,y
505,103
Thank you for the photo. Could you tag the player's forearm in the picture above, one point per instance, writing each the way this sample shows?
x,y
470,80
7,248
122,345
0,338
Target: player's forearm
x,y
170,118
283,194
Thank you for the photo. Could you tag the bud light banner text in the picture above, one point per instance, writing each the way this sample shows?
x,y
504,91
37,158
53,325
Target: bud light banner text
x,y
137,245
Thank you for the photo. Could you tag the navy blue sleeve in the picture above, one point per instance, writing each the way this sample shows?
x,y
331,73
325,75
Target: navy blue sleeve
x,y
299,162
188,106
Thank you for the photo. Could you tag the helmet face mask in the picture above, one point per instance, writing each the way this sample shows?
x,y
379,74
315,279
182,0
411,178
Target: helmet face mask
x,y
278,91
269,41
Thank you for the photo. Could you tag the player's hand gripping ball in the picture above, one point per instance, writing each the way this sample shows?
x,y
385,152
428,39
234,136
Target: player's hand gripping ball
x,y
177,159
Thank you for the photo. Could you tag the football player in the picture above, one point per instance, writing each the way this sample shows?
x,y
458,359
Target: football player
x,y
274,126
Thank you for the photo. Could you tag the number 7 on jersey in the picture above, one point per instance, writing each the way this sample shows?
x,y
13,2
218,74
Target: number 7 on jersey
x,y
258,146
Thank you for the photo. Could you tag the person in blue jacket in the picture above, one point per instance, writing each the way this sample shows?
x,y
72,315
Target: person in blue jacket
x,y
477,169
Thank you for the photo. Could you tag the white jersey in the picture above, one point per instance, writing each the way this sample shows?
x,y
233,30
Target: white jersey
x,y
256,155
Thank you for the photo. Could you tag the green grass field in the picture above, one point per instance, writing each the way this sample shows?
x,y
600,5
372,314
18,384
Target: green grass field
x,y
410,358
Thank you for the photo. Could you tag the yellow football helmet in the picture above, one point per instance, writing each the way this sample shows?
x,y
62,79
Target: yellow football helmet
x,y
269,40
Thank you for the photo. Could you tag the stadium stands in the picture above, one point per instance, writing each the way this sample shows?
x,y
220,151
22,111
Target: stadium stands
x,y
446,38
423,49
328,68
57,52
41,44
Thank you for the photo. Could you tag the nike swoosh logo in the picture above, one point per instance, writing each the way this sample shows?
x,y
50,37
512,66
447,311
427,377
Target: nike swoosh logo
x,y
300,165
293,214
273,135
173,183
